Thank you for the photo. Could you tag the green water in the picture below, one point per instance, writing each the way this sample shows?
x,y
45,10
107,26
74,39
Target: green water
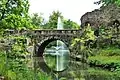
x,y
81,71
70,69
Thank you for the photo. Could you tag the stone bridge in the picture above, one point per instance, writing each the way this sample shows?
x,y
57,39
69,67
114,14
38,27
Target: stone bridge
x,y
39,39
44,37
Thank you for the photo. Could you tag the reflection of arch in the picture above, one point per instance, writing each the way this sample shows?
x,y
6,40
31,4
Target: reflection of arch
x,y
40,52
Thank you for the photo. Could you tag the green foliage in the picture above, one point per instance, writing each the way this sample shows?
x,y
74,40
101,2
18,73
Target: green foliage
x,y
117,2
43,76
14,14
11,75
68,24
16,22
107,2
109,52
14,62
105,32
88,34
108,37
107,58
53,18
37,20
17,7
2,63
111,63
99,74
50,61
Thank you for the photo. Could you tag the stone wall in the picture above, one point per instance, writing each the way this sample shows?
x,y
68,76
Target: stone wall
x,y
106,15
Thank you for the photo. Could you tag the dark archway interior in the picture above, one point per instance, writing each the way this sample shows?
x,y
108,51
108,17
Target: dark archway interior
x,y
40,52
86,23
42,47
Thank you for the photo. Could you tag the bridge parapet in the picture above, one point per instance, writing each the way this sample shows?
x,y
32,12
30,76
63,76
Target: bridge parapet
x,y
58,32
47,31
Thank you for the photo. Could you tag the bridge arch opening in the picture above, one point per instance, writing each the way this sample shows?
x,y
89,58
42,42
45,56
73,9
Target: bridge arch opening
x,y
53,55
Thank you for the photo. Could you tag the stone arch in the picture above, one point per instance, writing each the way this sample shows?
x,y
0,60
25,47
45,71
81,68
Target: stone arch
x,y
50,39
40,51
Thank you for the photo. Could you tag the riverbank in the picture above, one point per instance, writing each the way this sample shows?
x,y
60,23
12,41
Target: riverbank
x,y
111,63
107,62
100,74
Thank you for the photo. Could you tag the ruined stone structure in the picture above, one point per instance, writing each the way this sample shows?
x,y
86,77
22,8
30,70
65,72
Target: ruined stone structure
x,y
106,15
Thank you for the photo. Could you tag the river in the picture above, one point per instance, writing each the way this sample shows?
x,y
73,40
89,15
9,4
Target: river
x,y
66,68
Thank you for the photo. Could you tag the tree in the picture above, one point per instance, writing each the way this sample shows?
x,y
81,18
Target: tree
x,y
14,14
15,22
37,20
107,2
17,7
68,24
53,18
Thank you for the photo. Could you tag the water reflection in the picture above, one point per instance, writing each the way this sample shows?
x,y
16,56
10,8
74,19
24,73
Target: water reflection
x,y
56,55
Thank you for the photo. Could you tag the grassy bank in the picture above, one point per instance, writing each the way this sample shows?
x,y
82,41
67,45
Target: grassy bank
x,y
108,58
100,74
